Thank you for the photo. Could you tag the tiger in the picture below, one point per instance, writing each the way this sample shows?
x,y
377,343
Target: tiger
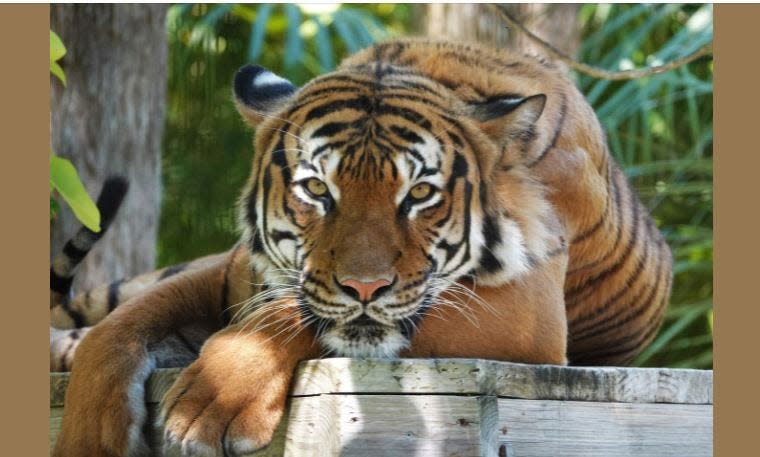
x,y
425,199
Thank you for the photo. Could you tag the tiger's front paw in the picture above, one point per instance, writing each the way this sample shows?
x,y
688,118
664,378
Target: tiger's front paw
x,y
222,408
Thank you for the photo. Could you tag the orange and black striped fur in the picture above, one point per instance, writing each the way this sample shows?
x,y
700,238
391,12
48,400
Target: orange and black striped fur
x,y
426,199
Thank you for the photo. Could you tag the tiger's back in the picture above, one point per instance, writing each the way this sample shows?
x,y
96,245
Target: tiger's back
x,y
619,272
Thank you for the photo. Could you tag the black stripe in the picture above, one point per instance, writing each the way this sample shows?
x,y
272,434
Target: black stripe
x,y
110,199
279,235
592,319
173,270
321,301
613,349
466,225
406,134
615,323
571,295
361,103
403,304
113,294
618,230
76,316
74,253
226,286
607,205
332,128
491,232
557,130
405,113
274,255
321,149
626,313
310,278
457,85
60,284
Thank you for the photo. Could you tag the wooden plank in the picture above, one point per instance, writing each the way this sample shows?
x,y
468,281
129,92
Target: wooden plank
x,y
530,428
464,407
449,425
56,418
475,377
504,379
387,425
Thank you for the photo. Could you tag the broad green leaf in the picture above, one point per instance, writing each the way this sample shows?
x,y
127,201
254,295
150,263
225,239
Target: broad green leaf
x,y
356,22
213,16
293,43
344,31
258,31
65,180
58,71
324,47
57,49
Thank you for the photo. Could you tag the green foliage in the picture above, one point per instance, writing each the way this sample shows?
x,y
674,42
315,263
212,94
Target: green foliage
x,y
63,176
660,130
65,180
57,51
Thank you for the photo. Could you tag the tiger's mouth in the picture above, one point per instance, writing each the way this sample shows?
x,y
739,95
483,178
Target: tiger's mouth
x,y
374,332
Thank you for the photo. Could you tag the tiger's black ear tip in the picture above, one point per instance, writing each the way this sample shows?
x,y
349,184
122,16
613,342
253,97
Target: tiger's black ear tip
x,y
243,83
254,86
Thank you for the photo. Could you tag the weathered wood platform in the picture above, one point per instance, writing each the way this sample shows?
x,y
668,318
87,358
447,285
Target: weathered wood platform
x,y
462,407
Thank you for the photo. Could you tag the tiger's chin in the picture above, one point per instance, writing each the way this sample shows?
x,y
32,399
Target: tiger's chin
x,y
351,340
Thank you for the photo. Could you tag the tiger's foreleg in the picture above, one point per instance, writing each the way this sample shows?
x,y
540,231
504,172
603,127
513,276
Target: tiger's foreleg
x,y
231,399
517,322
105,405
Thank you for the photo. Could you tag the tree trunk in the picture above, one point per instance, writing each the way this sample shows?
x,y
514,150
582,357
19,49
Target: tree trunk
x,y
555,23
110,120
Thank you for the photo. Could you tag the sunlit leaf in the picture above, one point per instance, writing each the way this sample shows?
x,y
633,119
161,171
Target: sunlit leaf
x,y
56,70
343,28
258,31
293,41
57,49
65,180
324,47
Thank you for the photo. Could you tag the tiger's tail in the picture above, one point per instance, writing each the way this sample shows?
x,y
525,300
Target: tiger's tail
x,y
64,265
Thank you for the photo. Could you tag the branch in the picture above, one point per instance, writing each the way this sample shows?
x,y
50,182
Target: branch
x,y
594,71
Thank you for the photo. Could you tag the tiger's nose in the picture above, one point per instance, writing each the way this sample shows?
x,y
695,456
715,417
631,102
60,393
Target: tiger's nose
x,y
362,290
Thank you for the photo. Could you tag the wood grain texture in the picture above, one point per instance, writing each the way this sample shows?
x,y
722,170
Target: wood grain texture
x,y
530,428
463,407
475,377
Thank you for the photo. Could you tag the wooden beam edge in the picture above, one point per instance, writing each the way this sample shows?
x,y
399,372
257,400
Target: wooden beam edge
x,y
472,377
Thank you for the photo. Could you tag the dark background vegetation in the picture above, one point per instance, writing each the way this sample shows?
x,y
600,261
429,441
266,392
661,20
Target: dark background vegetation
x,y
659,128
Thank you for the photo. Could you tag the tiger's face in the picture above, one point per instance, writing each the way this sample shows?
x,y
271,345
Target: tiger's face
x,y
367,199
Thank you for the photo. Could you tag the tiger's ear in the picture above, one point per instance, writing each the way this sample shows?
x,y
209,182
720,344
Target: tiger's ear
x,y
260,93
507,118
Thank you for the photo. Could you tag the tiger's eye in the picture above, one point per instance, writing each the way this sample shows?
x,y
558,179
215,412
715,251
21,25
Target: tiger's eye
x,y
316,187
421,191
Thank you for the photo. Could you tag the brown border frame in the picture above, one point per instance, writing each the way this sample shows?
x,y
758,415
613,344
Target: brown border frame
x,y
25,123
24,117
